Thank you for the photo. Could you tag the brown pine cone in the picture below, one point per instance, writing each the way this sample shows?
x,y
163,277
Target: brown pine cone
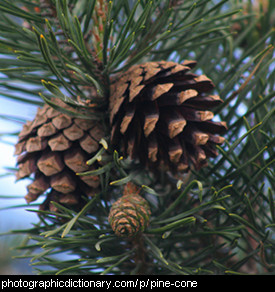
x,y
52,149
159,115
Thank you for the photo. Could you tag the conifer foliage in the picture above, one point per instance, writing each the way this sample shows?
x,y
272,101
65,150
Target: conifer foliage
x,y
139,163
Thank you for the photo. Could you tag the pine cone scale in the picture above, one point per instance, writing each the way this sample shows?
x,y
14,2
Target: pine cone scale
x,y
74,160
50,163
20,147
73,133
210,101
59,143
46,130
212,127
161,89
129,115
35,144
63,183
151,117
39,186
62,121
26,168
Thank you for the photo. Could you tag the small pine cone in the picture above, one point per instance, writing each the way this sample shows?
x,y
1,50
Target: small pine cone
x,y
52,149
130,214
159,115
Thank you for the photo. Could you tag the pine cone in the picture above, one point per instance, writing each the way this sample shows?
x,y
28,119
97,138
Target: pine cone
x,y
159,115
130,214
52,149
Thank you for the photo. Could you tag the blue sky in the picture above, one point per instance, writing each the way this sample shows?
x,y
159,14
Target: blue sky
x,y
12,218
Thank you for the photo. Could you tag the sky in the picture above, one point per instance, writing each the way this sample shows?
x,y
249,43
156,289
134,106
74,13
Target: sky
x,y
11,218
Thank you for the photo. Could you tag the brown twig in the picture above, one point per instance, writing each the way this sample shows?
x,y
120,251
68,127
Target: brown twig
x,y
140,255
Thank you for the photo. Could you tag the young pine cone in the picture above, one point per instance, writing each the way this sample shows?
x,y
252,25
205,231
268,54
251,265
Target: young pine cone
x,y
159,115
52,149
130,214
